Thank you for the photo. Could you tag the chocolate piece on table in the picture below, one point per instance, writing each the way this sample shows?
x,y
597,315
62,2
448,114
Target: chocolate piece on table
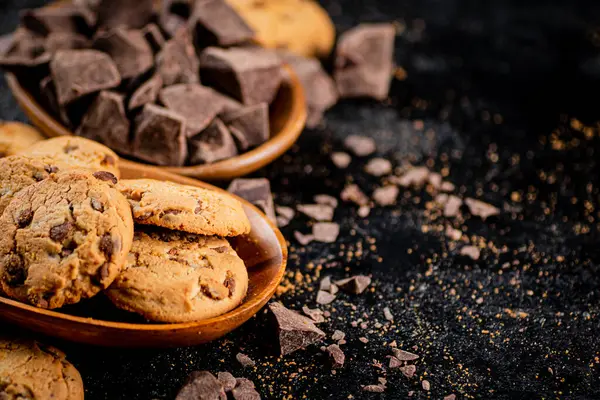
x,y
146,93
65,41
315,314
218,24
355,284
481,209
386,195
353,193
408,371
159,136
295,331
337,356
324,297
48,95
154,37
364,61
198,104
24,49
319,212
212,144
302,238
250,75
77,73
320,91
378,167
326,232
125,13
326,200
340,159
201,385
227,380
177,61
404,355
284,215
361,146
66,19
249,125
129,50
472,252
256,191
245,360
245,391
106,122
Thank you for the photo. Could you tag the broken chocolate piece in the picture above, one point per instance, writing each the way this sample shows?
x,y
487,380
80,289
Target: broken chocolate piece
x,y
129,50
361,146
320,212
364,61
327,286
245,390
177,61
353,193
66,19
248,125
294,330
326,232
324,297
65,41
378,167
374,388
48,95
408,371
256,191
213,144
303,239
24,49
284,215
250,75
386,196
201,385
404,355
337,356
338,335
245,360
388,314
218,24
154,37
174,15
471,251
450,203
126,13
77,73
159,137
146,93
426,385
355,284
394,362
227,380
416,176
341,160
106,122
450,397
326,200
315,314
481,209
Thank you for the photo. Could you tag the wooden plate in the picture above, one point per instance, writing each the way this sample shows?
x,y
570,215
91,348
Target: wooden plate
x,y
264,251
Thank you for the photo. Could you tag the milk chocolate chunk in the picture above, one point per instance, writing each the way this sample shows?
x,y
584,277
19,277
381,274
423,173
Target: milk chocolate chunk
x,y
26,49
201,385
177,61
295,331
146,93
364,61
106,122
256,191
126,13
355,284
77,73
320,91
129,50
336,355
249,74
249,125
154,37
217,24
159,136
66,19
65,41
213,144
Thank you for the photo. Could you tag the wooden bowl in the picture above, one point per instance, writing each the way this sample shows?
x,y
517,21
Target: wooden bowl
x,y
287,120
264,251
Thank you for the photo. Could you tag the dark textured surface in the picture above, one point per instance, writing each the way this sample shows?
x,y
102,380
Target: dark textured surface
x,y
490,81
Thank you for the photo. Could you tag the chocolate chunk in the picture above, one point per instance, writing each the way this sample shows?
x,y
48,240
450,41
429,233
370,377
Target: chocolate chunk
x,y
408,371
26,49
284,215
125,13
326,232
24,218
77,73
218,24
386,196
129,50
66,19
159,137
388,314
394,363
248,125
355,284
60,232
250,75
324,297
481,209
374,388
338,335
327,286
378,167
243,392
106,122
174,15
227,380
315,314
361,146
65,41
244,384
416,176
213,144
177,61
320,212
201,386
198,104
471,251
336,355
105,176
450,203
245,360
15,270
146,93
341,160
303,239
364,61
294,330
256,191
404,355
319,89
450,397
97,205
154,37
229,281
48,96
426,385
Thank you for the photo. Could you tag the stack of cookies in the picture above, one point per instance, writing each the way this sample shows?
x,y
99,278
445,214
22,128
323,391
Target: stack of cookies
x,y
71,230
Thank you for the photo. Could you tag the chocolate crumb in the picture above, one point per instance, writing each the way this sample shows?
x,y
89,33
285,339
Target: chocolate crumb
x,y
326,199
394,362
341,160
364,211
404,355
319,212
338,335
303,239
378,167
337,356
326,232
364,340
245,360
355,284
388,314
315,314
426,385
471,251
408,371
481,209
386,196
374,388
361,146
325,297
352,193
450,397
416,176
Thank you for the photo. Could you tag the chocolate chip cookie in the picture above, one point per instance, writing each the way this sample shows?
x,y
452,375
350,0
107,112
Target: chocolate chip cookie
x,y
77,152
184,208
173,276
30,370
64,238
16,137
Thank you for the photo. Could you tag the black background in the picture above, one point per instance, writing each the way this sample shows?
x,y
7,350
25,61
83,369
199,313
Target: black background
x,y
537,65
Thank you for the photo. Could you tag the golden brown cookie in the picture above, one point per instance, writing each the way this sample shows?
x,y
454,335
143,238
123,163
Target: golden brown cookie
x,y
184,208
77,152
300,26
30,370
16,137
174,276
64,238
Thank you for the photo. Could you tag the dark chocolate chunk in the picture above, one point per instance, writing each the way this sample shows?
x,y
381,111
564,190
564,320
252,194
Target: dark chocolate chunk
x,y
248,125
245,360
24,218
26,49
315,314
105,176
227,380
66,19
245,390
394,362
48,94
404,355
106,122
256,191
174,15
6,42
249,74
320,91
337,356
294,330
218,24
154,37
365,60
146,93
60,232
201,385
65,41
213,144
77,73
198,104
177,61
129,50
304,240
355,284
159,136
126,13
